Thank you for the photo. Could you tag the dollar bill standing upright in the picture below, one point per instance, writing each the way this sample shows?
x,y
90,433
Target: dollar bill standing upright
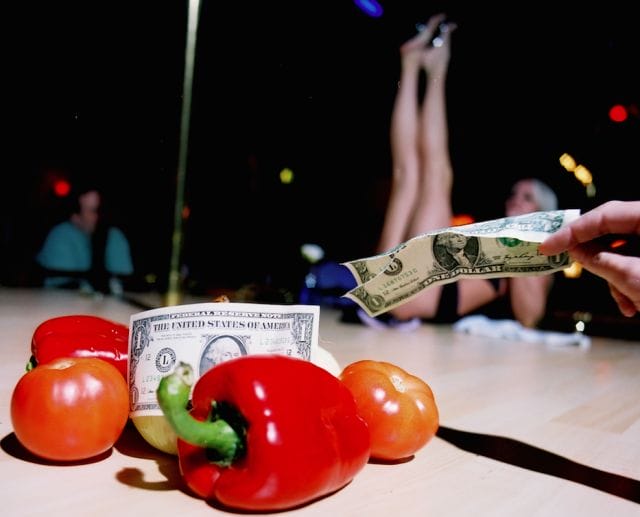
x,y
205,334
506,247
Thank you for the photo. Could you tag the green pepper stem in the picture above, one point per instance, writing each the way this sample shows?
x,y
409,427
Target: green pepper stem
x,y
173,397
31,364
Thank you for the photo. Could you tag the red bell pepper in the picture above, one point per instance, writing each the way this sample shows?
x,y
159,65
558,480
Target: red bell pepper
x,y
264,432
80,335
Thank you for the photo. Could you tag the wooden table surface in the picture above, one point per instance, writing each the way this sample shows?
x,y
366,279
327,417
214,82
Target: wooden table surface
x,y
526,429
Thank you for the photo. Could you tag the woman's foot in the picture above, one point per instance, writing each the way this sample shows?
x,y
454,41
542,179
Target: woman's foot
x,y
418,42
386,320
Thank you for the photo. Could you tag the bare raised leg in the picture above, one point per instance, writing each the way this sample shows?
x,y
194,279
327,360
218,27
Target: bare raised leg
x,y
432,207
405,146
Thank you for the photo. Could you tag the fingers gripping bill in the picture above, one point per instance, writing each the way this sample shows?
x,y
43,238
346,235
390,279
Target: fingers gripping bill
x,y
506,247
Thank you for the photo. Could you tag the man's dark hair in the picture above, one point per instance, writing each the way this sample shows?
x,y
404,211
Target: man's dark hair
x,y
78,190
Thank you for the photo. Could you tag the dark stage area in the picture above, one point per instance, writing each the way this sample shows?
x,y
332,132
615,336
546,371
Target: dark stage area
x,y
96,90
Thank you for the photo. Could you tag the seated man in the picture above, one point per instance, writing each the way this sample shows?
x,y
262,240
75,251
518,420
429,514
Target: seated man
x,y
83,253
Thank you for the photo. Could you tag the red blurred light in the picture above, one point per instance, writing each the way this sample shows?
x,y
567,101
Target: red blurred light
x,y
61,188
461,219
618,113
618,243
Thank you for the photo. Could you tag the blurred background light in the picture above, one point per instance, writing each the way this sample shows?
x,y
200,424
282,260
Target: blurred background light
x,y
312,252
618,113
461,219
573,271
286,176
369,7
61,187
580,172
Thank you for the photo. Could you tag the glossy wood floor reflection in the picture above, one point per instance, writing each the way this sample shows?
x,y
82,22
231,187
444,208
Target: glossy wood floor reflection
x,y
526,429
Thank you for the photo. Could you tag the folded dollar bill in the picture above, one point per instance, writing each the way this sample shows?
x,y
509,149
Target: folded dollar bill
x,y
504,247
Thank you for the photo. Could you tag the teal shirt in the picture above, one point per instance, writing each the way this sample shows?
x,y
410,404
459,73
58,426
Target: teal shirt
x,y
67,248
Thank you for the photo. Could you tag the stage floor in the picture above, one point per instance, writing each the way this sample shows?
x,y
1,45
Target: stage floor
x,y
526,428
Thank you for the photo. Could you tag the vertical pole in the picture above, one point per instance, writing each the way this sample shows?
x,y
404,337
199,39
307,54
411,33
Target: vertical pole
x,y
174,291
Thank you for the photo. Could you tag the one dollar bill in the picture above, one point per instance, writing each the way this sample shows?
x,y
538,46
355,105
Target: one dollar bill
x,y
506,247
205,334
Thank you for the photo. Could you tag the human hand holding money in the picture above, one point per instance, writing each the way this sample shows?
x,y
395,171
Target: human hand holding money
x,y
506,247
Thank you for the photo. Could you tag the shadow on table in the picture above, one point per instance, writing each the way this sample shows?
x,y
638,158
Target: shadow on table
x,y
529,457
131,443
12,446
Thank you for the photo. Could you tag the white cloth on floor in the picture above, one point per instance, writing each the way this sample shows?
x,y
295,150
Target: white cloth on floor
x,y
481,325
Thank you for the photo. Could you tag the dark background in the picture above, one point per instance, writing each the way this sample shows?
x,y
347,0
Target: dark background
x,y
95,89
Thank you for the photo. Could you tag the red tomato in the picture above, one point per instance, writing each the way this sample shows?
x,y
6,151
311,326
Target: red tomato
x,y
399,408
70,409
